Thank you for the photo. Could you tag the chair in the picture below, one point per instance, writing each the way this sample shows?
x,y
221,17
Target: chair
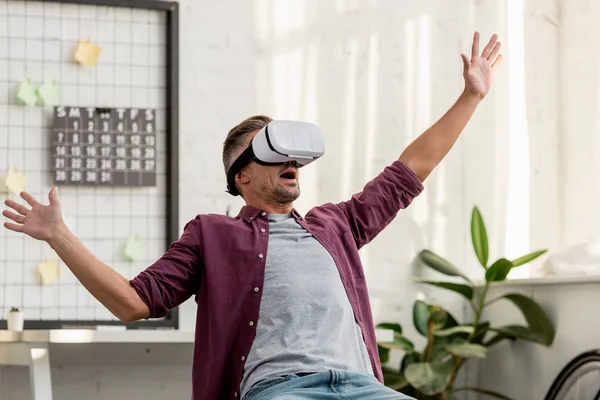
x,y
579,379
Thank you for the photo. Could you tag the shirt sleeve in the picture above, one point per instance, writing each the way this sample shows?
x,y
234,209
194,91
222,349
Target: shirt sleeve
x,y
371,210
173,278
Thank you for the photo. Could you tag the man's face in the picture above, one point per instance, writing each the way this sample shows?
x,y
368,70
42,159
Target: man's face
x,y
276,184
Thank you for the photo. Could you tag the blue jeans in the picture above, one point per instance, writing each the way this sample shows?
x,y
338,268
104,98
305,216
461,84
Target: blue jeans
x,y
328,385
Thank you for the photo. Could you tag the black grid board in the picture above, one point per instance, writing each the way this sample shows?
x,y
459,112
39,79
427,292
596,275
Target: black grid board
x,y
37,41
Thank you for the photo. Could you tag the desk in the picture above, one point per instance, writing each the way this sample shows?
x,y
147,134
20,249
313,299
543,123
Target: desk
x,y
32,348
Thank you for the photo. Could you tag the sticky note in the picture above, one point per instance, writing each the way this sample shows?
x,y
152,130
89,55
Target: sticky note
x,y
27,93
49,93
15,181
87,53
48,272
135,248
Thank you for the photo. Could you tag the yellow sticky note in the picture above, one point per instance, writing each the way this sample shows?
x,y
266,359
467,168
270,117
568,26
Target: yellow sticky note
x,y
87,53
15,181
135,248
49,93
27,93
48,272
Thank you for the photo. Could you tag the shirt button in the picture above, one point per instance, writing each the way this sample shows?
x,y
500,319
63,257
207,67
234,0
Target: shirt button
x,y
262,230
251,323
263,213
260,256
243,358
256,289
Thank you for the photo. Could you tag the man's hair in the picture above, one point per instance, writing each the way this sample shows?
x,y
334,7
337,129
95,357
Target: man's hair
x,y
236,137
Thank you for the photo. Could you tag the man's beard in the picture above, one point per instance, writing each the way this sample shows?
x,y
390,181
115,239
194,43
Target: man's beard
x,y
285,196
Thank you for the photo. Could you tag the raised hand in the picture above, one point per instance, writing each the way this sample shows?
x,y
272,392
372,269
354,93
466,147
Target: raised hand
x,y
39,222
479,70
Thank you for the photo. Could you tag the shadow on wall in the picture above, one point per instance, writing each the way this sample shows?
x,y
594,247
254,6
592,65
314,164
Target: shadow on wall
x,y
374,75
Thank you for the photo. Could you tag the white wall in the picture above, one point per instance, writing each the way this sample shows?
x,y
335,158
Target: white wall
x,y
373,74
530,369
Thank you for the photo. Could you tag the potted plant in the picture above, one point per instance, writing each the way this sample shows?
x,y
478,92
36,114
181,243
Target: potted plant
x,y
15,320
430,373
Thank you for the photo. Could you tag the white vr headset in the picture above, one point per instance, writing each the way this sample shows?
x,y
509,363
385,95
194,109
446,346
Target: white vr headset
x,y
278,143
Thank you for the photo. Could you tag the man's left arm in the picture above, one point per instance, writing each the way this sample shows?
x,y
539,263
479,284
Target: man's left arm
x,y
371,210
430,148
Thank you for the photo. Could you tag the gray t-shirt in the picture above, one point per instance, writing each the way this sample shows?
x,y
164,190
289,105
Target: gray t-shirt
x,y
306,322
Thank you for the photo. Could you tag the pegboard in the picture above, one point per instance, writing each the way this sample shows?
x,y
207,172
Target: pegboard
x,y
135,75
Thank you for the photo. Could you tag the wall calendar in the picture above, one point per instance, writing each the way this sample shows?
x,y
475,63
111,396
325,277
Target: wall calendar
x,y
104,146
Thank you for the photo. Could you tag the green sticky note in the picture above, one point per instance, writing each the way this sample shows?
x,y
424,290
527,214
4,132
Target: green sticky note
x,y
50,93
135,248
27,93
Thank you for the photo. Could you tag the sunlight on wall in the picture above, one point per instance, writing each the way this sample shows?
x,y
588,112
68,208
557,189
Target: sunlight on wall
x,y
373,69
350,121
417,100
287,76
517,239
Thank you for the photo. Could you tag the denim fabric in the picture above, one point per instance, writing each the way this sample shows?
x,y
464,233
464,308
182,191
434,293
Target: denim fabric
x,y
327,385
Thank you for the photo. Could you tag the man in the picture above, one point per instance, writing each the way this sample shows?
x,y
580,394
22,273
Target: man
x,y
283,307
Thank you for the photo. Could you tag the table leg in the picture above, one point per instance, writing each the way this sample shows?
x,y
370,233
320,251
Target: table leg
x,y
39,373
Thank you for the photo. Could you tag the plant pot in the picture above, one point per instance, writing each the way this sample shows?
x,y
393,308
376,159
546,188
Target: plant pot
x,y
15,321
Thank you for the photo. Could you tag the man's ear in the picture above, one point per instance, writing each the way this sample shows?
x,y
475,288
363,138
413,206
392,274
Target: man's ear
x,y
242,177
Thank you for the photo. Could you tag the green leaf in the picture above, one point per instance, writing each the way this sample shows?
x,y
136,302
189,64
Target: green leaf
x,y
389,325
384,354
408,359
479,237
527,258
535,316
429,378
467,350
480,333
399,343
468,329
393,379
464,290
439,264
421,316
439,353
498,271
437,318
514,332
484,391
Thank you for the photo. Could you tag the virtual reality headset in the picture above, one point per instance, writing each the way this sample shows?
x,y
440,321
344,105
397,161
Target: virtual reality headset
x,y
278,143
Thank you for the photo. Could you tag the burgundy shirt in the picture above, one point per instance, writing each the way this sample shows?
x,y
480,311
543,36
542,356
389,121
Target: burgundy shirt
x,y
221,261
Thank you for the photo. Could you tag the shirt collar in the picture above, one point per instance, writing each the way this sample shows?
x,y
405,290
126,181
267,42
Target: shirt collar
x,y
249,214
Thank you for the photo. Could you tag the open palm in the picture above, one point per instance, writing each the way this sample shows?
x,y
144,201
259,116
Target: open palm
x,y
479,70
39,222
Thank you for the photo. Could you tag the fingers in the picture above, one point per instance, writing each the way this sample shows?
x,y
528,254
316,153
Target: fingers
x,y
495,51
15,217
53,195
465,61
13,227
29,199
21,209
475,46
498,61
490,46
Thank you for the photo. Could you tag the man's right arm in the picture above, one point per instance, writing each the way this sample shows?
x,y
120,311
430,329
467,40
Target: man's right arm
x,y
164,285
109,287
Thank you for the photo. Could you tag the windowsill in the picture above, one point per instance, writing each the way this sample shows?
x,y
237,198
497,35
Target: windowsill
x,y
546,280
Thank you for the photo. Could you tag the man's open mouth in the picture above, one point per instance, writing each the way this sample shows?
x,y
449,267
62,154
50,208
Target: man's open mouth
x,y
288,173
